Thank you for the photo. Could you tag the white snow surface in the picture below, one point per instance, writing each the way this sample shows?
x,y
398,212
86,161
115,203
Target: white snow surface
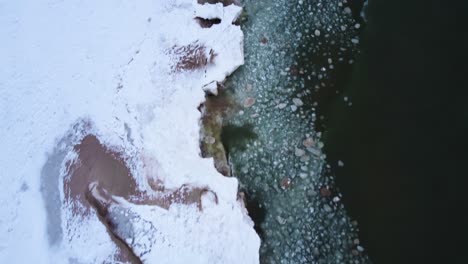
x,y
107,62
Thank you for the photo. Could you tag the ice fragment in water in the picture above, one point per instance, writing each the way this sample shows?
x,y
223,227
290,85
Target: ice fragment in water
x,y
297,101
299,152
282,105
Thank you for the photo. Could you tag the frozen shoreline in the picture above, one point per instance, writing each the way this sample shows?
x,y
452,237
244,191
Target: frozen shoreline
x,y
110,63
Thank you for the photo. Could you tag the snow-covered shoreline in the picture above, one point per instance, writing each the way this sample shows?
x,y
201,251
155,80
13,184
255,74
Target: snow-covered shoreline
x,y
110,63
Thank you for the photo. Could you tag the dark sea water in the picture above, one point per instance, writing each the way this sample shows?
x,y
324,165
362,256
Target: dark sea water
x,y
403,140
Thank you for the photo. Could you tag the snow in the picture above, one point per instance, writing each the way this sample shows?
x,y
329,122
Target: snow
x,y
211,88
106,62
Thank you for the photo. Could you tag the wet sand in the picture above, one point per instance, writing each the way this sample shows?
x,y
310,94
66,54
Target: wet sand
x,y
98,164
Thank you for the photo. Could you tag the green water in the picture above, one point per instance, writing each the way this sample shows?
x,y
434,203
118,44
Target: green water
x,y
293,51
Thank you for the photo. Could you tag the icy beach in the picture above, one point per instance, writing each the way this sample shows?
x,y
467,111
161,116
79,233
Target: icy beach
x,y
92,86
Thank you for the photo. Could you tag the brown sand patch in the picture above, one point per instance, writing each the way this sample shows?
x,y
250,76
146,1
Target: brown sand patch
x,y
192,56
100,173
98,164
106,168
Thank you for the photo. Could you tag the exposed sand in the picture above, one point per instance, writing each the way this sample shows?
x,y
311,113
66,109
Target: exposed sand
x,y
99,174
98,164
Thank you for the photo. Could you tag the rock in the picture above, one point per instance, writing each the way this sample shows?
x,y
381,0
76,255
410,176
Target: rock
x,y
285,183
293,108
308,142
249,101
327,208
340,163
360,249
317,32
325,192
336,199
210,140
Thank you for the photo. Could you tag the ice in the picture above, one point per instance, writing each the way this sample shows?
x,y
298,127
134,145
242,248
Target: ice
x,y
288,180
